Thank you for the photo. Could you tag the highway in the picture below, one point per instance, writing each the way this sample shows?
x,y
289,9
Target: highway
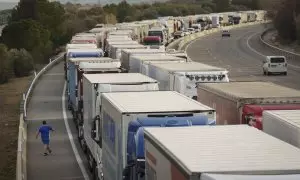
x,y
47,103
242,55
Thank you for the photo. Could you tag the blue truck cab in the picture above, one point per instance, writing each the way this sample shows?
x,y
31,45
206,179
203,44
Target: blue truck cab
x,y
71,67
135,168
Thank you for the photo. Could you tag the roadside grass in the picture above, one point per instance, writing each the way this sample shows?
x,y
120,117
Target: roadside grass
x,y
10,97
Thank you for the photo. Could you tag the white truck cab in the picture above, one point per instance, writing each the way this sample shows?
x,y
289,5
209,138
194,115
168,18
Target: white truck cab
x,y
275,64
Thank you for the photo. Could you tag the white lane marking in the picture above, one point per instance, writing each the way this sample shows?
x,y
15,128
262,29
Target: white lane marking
x,y
77,156
252,49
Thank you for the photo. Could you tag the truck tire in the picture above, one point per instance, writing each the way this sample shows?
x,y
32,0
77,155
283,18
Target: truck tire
x,y
285,73
81,140
90,161
95,171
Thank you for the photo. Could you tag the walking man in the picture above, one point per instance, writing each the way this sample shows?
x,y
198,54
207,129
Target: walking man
x,y
44,130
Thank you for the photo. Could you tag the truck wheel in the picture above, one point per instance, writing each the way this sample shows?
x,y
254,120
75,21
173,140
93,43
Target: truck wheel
x,y
90,161
268,73
95,172
285,73
264,72
81,140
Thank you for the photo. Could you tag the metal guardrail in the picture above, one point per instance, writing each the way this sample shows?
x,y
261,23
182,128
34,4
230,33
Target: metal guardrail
x,y
276,50
21,170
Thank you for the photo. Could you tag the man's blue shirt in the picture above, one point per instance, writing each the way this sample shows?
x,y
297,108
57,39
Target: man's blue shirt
x,y
45,131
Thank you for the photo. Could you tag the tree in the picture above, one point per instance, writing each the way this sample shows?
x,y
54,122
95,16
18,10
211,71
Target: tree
x,y
255,4
124,11
284,21
29,35
110,18
51,16
5,65
221,5
26,34
22,61
24,10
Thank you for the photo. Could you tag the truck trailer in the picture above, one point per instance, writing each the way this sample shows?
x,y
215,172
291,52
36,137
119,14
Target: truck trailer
x,y
235,101
116,49
135,168
113,38
84,40
218,152
283,124
118,42
94,85
137,61
119,109
215,21
184,77
76,46
145,65
81,53
127,53
77,67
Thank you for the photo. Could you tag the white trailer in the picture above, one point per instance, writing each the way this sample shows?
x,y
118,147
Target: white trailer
x,y
145,65
116,49
251,16
283,124
81,46
244,17
119,109
121,33
84,40
94,85
106,40
127,53
215,21
136,61
118,42
74,75
236,152
184,77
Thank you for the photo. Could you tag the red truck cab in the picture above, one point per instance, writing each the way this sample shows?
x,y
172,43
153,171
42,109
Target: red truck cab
x,y
152,40
252,114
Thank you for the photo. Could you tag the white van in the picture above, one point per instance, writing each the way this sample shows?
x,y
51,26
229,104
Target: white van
x,y
275,64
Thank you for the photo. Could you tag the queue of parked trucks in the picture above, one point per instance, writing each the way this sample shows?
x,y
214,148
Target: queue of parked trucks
x,y
143,112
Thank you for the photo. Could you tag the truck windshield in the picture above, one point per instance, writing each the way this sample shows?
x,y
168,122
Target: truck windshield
x,y
152,42
277,60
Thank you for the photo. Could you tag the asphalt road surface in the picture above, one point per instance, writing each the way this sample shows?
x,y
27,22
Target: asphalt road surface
x,y
46,104
242,55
